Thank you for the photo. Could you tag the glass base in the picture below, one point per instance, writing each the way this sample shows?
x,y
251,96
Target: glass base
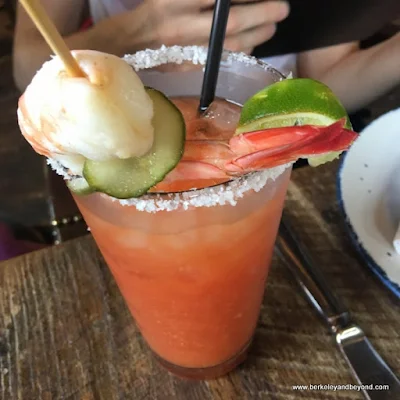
x,y
213,372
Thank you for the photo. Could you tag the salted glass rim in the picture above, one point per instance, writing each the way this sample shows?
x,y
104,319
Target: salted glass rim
x,y
224,193
151,58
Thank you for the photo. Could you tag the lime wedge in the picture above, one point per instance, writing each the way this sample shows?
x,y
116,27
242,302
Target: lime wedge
x,y
299,101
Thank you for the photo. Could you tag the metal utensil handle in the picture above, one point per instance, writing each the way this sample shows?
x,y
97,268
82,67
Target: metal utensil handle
x,y
310,278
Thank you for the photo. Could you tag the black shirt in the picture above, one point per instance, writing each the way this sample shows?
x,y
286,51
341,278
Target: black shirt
x,y
318,23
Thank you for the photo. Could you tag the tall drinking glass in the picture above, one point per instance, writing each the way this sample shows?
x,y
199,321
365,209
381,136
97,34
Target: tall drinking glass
x,y
192,266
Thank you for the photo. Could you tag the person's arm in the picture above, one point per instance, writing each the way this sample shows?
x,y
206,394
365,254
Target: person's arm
x,y
30,50
357,76
151,24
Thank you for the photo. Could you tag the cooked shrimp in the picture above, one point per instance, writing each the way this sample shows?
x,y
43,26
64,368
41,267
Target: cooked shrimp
x,y
105,115
215,161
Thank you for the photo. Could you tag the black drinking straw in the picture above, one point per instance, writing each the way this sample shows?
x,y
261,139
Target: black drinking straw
x,y
215,47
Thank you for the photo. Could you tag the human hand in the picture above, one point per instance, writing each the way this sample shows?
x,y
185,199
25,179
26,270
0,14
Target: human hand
x,y
188,22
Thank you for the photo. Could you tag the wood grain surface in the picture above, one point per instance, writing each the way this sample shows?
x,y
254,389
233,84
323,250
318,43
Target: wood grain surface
x,y
65,332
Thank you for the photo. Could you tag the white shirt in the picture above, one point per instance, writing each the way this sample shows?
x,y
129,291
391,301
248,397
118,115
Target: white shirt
x,y
101,9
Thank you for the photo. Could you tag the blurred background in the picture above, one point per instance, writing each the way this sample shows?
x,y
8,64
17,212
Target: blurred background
x,y
31,195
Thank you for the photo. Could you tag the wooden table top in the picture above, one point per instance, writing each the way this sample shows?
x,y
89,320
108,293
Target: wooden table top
x,y
65,332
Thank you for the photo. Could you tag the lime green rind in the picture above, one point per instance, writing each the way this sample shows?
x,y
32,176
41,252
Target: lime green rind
x,y
295,101
315,161
282,120
290,97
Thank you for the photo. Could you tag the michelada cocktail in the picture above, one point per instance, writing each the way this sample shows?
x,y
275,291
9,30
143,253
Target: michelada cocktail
x,y
184,207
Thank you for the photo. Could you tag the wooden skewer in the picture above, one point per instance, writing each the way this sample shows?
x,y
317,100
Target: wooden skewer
x,y
53,38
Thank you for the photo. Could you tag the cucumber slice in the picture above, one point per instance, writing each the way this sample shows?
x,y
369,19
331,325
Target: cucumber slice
x,y
132,177
79,186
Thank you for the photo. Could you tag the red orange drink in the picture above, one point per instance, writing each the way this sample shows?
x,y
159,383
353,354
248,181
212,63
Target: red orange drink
x,y
193,271
193,277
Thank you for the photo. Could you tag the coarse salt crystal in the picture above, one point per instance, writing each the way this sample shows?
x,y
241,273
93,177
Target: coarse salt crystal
x,y
228,193
59,169
195,54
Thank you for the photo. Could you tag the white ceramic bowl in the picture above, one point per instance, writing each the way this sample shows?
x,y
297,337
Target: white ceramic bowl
x,y
369,195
